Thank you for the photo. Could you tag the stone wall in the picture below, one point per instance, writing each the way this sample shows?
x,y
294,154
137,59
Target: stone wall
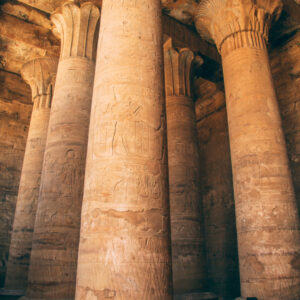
x,y
285,65
15,111
217,190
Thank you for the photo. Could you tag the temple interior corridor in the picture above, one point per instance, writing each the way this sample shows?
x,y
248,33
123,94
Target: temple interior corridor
x,y
150,149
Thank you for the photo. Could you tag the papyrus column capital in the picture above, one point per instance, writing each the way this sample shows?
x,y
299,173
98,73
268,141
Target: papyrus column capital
x,y
78,28
40,74
178,64
246,22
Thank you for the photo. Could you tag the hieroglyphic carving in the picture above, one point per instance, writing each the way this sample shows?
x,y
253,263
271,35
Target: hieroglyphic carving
x,y
188,259
40,74
78,27
266,212
124,238
52,273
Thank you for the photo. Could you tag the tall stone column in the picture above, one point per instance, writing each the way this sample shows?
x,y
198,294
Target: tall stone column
x,y
40,75
124,250
266,212
187,234
52,273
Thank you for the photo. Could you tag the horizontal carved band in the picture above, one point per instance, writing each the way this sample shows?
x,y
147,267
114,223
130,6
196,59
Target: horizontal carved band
x,y
242,39
40,74
247,21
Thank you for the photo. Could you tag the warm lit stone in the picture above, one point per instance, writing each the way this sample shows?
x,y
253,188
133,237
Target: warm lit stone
x,y
52,273
40,75
187,235
266,212
124,250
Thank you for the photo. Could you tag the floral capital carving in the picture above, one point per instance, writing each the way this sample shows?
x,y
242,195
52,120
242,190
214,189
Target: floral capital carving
x,y
40,74
178,63
217,20
77,26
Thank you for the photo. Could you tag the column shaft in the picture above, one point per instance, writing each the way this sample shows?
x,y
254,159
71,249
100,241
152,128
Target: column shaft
x,y
187,234
40,74
188,256
124,248
266,211
53,265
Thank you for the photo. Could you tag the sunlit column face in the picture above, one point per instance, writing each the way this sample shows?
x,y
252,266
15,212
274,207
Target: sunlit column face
x,y
125,242
52,273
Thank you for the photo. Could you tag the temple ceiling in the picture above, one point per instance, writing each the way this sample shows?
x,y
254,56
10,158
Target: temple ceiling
x,y
32,35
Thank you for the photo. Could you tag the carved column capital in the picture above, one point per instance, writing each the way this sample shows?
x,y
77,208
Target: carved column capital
x,y
178,63
40,74
247,22
78,28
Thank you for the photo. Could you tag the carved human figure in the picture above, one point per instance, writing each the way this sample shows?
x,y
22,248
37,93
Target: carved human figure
x,y
266,212
124,250
52,273
40,75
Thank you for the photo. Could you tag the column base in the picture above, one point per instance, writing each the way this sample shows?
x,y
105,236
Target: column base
x,y
196,296
11,294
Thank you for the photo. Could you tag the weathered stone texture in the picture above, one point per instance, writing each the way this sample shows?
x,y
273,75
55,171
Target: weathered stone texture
x,y
217,190
266,211
285,66
23,42
40,75
187,232
52,272
124,240
15,111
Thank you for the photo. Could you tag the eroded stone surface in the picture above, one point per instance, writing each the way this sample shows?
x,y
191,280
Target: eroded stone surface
x,y
285,66
124,240
40,75
23,42
53,263
217,190
187,233
266,212
15,111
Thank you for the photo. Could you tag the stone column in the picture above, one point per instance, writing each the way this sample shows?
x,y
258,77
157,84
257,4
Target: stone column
x,y
124,250
52,273
266,212
40,75
187,234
